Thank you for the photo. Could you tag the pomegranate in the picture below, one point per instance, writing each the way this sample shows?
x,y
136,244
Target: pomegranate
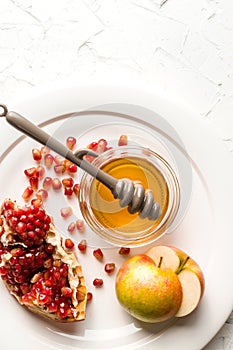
x,y
71,142
98,282
124,251
34,266
109,268
98,254
123,140
82,246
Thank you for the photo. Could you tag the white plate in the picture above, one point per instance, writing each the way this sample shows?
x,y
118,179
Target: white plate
x,y
203,229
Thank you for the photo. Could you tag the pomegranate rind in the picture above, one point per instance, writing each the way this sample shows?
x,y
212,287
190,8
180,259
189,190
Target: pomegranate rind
x,y
75,276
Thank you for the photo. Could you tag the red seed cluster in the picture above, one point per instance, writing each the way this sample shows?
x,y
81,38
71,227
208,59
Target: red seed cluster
x,y
51,291
19,270
31,223
30,270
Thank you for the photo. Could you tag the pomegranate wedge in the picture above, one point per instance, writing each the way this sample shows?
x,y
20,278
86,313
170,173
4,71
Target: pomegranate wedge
x,y
34,266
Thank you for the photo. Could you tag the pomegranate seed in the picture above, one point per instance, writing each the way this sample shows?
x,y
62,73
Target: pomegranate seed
x,y
68,182
42,299
49,248
66,292
31,235
27,210
25,288
98,282
28,192
48,160
71,227
36,154
42,194
62,312
47,183
89,296
66,212
76,189
34,182
70,142
59,169
98,254
124,251
72,168
56,184
123,140
67,163
40,171
21,227
8,205
30,172
82,246
80,225
93,146
53,307
58,160
68,191
3,271
17,252
37,202
102,146
18,213
22,260
45,150
33,210
109,268
69,244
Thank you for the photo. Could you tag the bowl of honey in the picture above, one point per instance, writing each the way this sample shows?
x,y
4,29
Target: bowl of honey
x,y
103,212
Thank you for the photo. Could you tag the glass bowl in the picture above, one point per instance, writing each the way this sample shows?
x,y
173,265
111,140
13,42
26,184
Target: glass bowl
x,y
115,224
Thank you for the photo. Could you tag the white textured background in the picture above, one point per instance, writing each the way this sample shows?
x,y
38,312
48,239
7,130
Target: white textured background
x,y
183,46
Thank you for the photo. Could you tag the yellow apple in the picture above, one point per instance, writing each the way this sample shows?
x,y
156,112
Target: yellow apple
x,y
146,291
188,271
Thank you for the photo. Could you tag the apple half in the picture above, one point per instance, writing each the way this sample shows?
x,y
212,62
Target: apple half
x,y
188,271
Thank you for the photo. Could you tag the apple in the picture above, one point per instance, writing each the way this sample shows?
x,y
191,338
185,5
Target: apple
x,y
188,271
146,291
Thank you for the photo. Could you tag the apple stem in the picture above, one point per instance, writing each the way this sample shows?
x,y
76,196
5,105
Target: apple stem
x,y
160,261
183,264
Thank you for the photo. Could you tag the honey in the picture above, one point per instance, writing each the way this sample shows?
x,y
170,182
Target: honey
x,y
106,208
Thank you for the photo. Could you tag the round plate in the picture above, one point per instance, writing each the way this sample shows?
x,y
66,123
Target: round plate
x,y
203,228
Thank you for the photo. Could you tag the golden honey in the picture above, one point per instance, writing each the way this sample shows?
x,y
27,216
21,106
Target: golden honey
x,y
107,210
